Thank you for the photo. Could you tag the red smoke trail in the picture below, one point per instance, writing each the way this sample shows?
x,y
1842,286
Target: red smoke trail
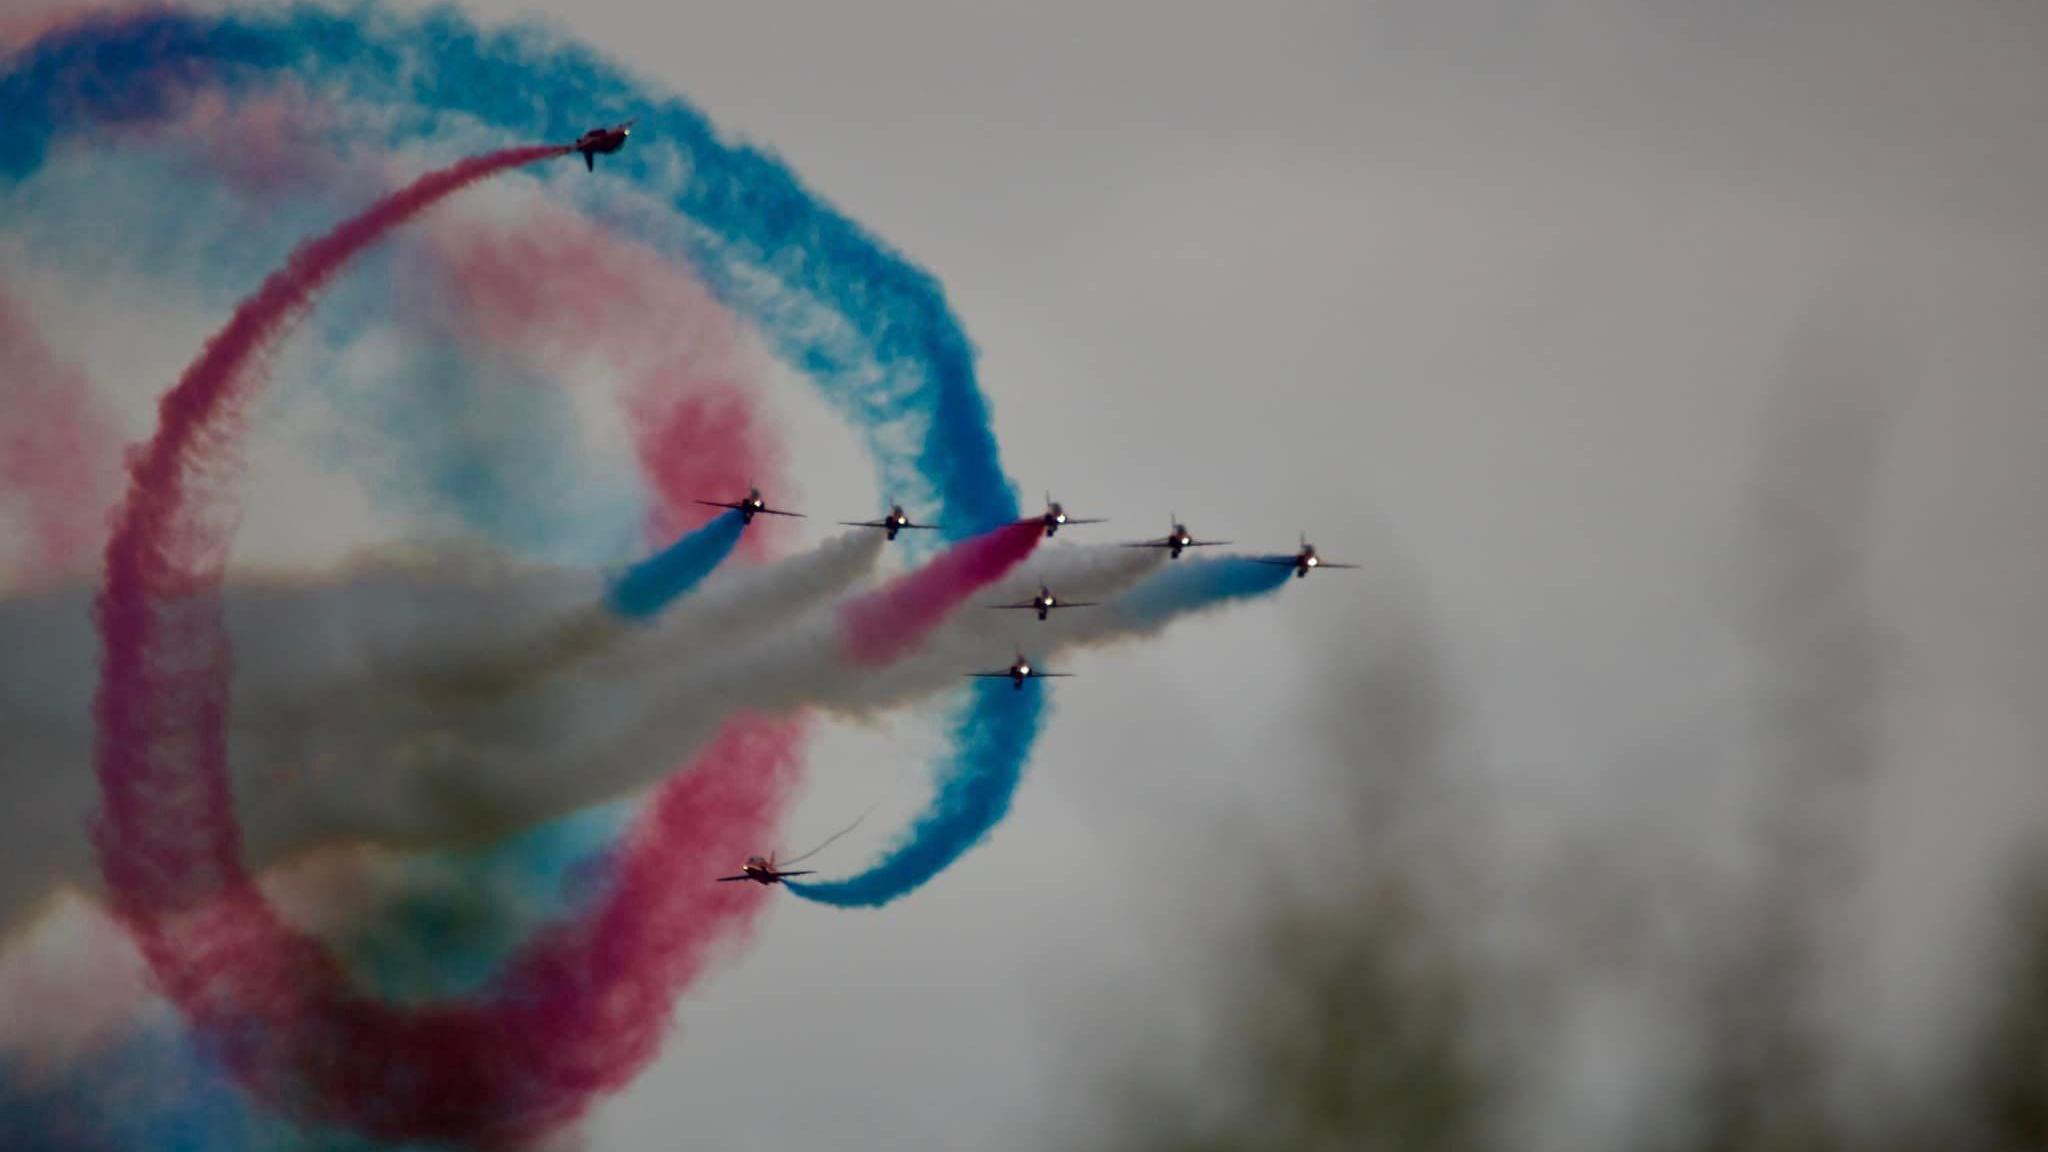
x,y
57,450
163,684
580,1010
895,618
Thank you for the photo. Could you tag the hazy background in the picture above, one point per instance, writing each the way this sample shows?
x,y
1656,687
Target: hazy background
x,y
1665,780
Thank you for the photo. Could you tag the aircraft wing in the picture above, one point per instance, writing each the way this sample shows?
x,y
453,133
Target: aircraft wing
x,y
1328,564
732,504
1037,675
730,879
1079,604
988,675
774,512
1205,543
803,872
1026,604
885,524
590,161
1070,520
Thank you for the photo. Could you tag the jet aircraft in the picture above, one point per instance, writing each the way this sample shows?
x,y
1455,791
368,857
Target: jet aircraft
x,y
765,871
601,140
893,523
1045,602
1177,540
1301,561
1056,517
1018,672
749,508
762,871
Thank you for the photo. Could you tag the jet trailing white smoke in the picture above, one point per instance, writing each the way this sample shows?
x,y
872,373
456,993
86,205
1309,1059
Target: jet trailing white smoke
x,y
803,664
444,698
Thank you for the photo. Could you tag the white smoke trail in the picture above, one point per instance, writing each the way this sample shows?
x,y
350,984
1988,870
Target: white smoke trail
x,y
422,699
802,664
444,698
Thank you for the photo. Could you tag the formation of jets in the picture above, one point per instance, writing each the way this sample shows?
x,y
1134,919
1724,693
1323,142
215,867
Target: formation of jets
x,y
1053,518
604,141
764,871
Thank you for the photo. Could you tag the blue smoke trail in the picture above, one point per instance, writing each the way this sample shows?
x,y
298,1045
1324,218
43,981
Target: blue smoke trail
x,y
654,583
1193,585
991,743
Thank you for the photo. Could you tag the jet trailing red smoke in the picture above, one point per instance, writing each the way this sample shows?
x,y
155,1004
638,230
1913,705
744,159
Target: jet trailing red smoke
x,y
895,619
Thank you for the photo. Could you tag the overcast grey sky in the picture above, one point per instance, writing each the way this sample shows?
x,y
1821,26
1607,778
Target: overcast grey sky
x,y
1496,296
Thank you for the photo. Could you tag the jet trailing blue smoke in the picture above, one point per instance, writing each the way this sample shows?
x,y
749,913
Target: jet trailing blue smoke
x,y
991,743
646,588
1193,585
